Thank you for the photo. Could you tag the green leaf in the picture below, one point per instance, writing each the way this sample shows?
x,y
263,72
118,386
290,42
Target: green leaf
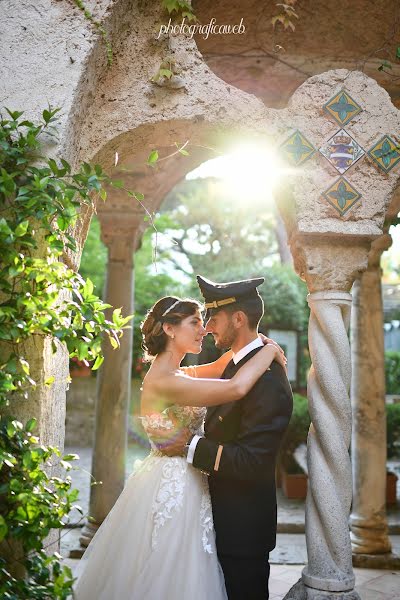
x,y
62,223
114,342
87,289
49,380
3,528
97,363
71,457
31,424
14,115
398,52
117,183
21,229
4,228
153,157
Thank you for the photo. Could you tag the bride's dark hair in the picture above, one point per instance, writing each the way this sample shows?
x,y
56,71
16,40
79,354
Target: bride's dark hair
x,y
169,309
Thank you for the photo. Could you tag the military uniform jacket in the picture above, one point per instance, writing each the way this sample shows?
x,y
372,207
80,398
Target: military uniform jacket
x,y
243,492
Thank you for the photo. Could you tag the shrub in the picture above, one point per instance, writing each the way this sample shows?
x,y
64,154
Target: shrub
x,y
392,372
295,435
32,503
393,430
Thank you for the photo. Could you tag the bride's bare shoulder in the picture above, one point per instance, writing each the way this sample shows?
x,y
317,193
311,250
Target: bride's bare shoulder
x,y
154,391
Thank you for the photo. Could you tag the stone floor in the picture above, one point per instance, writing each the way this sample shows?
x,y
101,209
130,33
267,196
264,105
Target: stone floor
x,y
289,556
370,583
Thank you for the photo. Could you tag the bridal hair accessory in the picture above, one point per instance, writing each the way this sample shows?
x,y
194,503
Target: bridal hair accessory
x,y
170,308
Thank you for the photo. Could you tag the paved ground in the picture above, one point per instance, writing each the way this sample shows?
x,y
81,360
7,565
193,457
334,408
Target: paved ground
x,y
370,583
287,559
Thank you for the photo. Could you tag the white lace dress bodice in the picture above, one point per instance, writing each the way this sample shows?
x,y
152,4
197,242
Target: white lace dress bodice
x,y
158,541
191,417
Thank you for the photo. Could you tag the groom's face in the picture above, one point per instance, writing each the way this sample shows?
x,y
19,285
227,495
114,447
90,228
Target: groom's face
x,y
221,328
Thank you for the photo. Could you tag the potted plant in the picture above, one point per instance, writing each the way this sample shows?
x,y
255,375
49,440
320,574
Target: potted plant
x,y
293,477
79,368
393,447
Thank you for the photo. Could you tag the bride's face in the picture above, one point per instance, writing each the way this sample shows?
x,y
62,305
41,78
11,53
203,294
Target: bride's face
x,y
189,334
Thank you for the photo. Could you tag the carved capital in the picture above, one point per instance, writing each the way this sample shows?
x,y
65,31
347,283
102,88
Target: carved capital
x,y
377,247
329,263
121,233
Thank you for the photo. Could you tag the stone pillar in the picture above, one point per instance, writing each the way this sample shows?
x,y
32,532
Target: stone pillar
x,y
329,268
120,234
369,531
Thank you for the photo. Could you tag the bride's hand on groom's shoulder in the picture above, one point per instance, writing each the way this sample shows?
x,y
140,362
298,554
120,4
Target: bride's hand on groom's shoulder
x,y
280,355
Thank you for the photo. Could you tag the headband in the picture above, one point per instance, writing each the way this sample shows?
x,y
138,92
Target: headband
x,y
170,308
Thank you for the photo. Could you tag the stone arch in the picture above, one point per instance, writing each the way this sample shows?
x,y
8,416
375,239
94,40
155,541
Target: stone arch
x,y
100,105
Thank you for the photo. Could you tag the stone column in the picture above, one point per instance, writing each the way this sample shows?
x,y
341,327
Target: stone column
x,y
329,268
369,531
120,233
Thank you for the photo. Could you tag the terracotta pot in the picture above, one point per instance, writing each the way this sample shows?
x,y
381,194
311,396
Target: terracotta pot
x,y
81,372
294,486
391,481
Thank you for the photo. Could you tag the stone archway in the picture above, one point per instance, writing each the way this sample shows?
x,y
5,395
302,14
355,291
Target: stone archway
x,y
120,110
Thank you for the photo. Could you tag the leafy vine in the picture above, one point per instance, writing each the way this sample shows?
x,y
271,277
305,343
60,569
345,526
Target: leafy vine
x,y
40,296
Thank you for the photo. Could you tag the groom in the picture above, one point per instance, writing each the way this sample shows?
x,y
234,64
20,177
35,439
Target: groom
x,y
241,443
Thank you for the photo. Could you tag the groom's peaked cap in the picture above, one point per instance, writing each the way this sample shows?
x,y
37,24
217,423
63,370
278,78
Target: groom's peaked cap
x,y
218,295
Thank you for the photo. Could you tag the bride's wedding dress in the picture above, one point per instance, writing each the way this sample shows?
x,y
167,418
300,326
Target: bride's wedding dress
x,y
158,541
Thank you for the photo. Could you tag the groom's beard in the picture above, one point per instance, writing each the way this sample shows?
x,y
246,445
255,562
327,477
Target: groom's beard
x,y
224,341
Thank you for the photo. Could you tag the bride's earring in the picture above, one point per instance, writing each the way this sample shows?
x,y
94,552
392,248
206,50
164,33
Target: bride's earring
x,y
172,337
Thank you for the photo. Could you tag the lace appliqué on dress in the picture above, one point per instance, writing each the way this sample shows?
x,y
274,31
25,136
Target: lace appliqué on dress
x,y
206,517
172,486
170,494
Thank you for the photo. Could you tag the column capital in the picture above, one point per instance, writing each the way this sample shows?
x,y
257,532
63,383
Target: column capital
x,y
329,263
121,233
378,246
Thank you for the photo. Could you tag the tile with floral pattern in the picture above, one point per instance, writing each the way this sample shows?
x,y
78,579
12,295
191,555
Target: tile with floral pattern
x,y
342,107
385,153
341,195
297,149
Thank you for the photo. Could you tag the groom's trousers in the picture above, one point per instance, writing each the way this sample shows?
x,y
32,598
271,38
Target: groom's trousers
x,y
246,578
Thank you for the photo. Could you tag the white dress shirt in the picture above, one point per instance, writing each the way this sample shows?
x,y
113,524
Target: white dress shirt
x,y
256,343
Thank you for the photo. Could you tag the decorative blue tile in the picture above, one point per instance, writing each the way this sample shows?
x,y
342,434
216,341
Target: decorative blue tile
x,y
342,151
341,195
297,149
342,108
385,153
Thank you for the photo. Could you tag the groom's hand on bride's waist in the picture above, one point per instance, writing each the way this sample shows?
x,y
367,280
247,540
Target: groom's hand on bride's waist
x,y
171,442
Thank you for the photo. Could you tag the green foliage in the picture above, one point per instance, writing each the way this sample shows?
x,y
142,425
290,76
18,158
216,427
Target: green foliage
x,y
216,236
94,258
285,298
32,503
151,281
39,296
181,8
295,435
39,204
392,372
284,18
97,25
393,430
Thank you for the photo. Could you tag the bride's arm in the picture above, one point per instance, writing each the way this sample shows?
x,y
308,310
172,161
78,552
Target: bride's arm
x,y
212,370
188,391
215,369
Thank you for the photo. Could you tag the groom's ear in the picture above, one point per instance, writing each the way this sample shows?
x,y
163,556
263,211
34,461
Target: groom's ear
x,y
239,319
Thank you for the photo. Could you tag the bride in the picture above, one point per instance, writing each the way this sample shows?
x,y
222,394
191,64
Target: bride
x,y
158,542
